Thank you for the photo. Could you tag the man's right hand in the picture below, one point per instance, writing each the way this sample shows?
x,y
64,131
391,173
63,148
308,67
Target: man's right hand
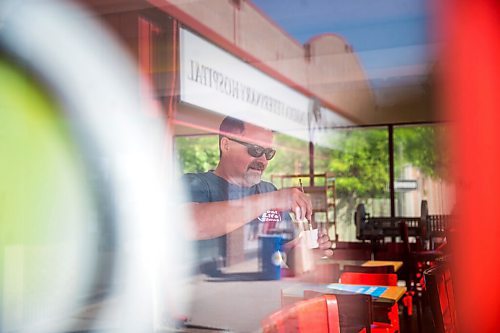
x,y
295,200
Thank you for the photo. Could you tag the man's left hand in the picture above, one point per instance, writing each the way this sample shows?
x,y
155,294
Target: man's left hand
x,y
325,244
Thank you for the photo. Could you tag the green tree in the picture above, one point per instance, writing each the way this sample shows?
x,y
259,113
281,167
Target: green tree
x,y
419,146
197,153
201,153
292,157
360,160
360,165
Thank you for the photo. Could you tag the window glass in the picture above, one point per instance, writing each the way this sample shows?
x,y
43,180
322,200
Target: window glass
x,y
201,154
197,153
359,162
419,170
292,157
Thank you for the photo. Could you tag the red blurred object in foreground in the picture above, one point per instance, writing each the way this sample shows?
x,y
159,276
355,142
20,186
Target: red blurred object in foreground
x,y
319,314
471,63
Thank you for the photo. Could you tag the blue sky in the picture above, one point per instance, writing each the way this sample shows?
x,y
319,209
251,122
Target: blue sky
x,y
386,34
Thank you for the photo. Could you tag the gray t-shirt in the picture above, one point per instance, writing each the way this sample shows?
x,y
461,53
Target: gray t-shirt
x,y
208,187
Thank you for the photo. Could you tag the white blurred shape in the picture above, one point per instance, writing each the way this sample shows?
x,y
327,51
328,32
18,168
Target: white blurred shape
x,y
98,87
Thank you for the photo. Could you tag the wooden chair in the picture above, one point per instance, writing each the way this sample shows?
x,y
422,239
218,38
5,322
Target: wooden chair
x,y
376,279
441,299
319,314
355,311
416,261
371,279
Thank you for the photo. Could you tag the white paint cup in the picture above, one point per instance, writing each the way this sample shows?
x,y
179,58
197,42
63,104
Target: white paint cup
x,y
311,237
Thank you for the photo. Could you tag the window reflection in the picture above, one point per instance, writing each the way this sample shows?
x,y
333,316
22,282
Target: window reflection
x,y
421,170
359,162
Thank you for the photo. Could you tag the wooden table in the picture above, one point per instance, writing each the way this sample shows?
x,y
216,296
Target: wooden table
x,y
371,263
397,264
380,294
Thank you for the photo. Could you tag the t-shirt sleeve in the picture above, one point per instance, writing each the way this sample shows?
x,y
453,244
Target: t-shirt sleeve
x,y
197,188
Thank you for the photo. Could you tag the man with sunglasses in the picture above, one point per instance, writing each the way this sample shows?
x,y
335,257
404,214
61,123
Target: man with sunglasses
x,y
233,194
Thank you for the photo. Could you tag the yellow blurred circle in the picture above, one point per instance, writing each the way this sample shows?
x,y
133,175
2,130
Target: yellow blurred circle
x,y
47,216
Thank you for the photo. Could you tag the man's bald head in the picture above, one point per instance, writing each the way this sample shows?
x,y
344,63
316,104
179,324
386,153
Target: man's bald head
x,y
230,126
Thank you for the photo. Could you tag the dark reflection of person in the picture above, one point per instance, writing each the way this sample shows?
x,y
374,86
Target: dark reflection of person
x,y
233,194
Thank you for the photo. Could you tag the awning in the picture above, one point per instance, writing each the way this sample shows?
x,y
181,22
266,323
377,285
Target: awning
x,y
223,85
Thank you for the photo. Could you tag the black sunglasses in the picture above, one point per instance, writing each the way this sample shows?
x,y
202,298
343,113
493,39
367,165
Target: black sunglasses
x,y
256,150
